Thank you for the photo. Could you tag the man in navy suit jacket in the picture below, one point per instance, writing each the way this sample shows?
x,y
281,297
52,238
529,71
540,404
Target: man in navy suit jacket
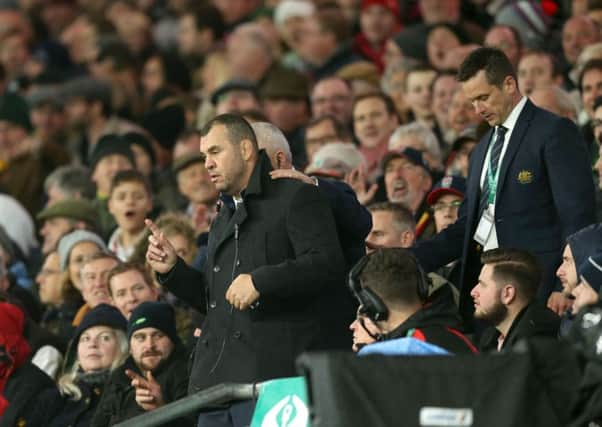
x,y
542,184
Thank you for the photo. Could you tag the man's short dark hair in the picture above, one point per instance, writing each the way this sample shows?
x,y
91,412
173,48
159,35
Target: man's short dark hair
x,y
333,21
556,71
515,33
91,91
128,266
188,133
419,68
403,218
332,77
175,72
392,273
236,126
496,64
208,16
130,175
515,266
593,64
339,128
389,104
118,53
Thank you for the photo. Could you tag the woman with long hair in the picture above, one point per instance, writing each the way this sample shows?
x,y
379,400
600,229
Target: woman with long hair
x,y
98,347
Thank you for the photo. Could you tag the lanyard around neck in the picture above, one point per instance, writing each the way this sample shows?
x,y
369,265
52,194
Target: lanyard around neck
x,y
491,179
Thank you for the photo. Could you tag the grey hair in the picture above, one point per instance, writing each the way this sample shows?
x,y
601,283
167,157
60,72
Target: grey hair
x,y
73,181
419,131
67,382
271,139
589,52
340,156
254,33
403,219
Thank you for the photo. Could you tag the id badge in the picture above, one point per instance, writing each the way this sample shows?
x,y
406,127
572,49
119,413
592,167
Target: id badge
x,y
485,226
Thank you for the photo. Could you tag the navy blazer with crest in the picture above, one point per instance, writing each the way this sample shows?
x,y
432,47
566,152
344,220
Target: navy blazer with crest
x,y
545,192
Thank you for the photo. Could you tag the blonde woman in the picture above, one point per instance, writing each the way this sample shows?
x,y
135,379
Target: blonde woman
x,y
98,347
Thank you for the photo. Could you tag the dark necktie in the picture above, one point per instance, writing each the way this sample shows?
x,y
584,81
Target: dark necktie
x,y
494,160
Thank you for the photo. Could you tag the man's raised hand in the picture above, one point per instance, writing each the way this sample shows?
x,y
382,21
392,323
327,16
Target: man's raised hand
x,y
160,254
148,390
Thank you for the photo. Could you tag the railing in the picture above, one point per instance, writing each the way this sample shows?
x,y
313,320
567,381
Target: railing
x,y
217,395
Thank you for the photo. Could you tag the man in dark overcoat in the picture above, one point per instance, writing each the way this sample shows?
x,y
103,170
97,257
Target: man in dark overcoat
x,y
273,253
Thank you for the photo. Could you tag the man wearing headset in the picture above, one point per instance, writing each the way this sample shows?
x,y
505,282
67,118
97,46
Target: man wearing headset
x,y
392,290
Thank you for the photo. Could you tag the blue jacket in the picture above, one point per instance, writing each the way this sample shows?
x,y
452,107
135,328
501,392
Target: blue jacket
x,y
402,347
545,193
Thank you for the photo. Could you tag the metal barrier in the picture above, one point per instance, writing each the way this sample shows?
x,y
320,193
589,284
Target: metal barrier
x,y
216,395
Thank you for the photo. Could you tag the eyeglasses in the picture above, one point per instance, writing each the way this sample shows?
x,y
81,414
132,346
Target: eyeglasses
x,y
91,277
444,206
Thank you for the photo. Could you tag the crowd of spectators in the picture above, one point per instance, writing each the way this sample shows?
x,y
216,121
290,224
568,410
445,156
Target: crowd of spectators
x,y
121,227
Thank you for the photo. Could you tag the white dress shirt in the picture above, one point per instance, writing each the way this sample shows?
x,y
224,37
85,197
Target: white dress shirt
x,y
509,124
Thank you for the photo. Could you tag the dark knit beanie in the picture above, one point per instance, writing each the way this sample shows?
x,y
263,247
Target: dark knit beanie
x,y
591,271
136,138
101,315
585,242
14,109
165,123
158,315
111,144
412,42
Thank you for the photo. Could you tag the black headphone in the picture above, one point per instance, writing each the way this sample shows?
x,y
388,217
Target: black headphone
x,y
371,305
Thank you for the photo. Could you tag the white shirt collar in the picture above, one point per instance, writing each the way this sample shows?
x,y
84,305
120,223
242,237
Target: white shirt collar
x,y
237,201
512,118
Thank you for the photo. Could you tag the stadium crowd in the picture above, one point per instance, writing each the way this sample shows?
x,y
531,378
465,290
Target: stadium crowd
x,y
195,192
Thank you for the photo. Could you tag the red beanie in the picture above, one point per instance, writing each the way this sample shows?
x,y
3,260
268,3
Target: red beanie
x,y
391,5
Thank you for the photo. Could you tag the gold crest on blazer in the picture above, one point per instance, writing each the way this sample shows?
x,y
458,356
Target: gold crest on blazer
x,y
525,177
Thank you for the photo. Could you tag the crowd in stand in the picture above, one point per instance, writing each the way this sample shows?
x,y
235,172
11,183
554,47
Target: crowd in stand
x,y
185,187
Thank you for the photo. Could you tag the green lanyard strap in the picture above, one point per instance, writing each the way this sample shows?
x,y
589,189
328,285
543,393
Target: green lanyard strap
x,y
491,179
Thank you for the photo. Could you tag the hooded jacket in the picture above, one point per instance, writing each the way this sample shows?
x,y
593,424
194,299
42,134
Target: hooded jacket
x,y
436,323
